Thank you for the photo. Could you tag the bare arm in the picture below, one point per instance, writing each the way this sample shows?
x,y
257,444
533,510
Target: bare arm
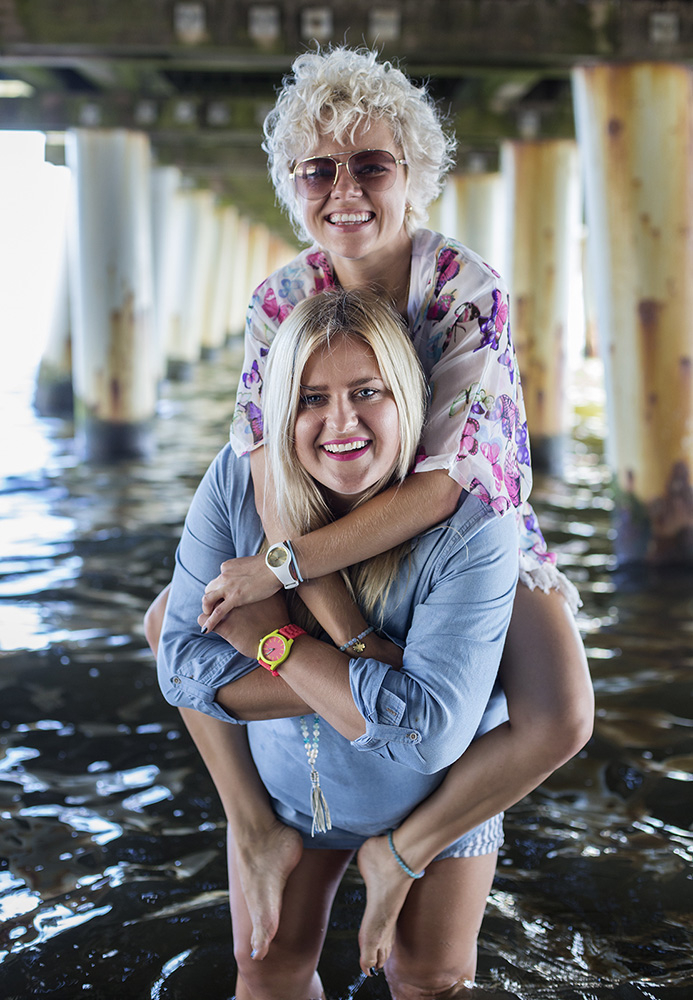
x,y
393,517
425,715
327,597
259,696
314,678
224,749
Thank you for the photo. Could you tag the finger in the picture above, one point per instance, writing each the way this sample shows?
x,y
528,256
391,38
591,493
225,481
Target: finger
x,y
211,600
217,616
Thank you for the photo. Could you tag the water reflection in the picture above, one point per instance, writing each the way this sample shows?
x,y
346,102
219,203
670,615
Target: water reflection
x,y
111,836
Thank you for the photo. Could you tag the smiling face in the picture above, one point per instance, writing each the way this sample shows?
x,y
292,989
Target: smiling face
x,y
351,222
347,428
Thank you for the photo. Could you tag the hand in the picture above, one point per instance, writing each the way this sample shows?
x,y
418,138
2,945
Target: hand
x,y
244,627
383,650
241,581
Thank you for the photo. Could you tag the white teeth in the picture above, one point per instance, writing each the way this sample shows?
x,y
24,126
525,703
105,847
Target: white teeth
x,y
335,448
349,217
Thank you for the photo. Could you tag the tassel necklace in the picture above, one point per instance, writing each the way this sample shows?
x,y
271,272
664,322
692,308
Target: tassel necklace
x,y
318,805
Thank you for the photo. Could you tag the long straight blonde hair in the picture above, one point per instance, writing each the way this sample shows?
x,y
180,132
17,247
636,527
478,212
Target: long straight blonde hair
x,y
314,323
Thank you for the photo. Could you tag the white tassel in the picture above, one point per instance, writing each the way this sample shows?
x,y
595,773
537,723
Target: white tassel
x,y
319,808
318,805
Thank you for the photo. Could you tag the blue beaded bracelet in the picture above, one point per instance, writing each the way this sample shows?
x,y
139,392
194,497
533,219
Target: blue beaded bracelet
x,y
400,861
356,643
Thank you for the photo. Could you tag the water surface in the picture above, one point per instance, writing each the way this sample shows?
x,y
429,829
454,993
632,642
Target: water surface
x,y
112,872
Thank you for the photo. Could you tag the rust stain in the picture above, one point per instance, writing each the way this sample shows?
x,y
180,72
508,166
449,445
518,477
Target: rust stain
x,y
121,359
672,519
648,314
115,394
685,391
648,310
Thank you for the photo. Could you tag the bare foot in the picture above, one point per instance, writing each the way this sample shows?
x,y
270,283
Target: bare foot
x,y
387,887
264,864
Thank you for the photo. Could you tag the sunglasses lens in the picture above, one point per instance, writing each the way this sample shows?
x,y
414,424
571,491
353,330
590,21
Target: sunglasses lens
x,y
315,177
375,169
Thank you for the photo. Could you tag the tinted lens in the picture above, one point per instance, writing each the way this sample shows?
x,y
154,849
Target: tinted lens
x,y
375,169
315,177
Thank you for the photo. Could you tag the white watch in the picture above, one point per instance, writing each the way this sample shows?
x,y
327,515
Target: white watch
x,y
281,560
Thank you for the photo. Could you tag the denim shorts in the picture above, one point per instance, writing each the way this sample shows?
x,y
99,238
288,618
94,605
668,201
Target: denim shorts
x,y
485,838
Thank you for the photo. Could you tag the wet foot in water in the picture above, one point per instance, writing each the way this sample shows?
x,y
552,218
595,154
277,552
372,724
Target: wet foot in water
x,y
264,865
387,886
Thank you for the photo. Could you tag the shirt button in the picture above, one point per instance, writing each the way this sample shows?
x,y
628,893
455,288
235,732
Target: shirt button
x,y
176,680
412,736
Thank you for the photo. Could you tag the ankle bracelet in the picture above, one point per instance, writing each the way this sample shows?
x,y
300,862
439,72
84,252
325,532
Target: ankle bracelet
x,y
400,861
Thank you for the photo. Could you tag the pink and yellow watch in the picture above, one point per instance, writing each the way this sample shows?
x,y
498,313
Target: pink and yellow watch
x,y
276,646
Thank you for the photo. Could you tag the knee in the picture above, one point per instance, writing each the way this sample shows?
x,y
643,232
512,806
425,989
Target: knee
x,y
283,975
577,725
154,620
563,732
415,982
151,630
568,726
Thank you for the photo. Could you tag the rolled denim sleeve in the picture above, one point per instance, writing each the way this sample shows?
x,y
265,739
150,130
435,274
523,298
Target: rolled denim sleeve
x,y
426,714
221,524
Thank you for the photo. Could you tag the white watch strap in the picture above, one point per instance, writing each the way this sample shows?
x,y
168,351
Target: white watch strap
x,y
283,572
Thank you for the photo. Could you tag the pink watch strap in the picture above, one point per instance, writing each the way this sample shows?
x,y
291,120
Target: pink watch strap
x,y
291,631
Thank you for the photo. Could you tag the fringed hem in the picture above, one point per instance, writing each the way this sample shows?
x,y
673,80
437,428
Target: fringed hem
x,y
547,577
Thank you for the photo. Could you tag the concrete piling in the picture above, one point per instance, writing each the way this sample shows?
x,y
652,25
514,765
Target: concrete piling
x,y
480,210
543,191
114,355
635,127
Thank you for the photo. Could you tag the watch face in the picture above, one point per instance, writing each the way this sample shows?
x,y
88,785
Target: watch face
x,y
277,556
273,648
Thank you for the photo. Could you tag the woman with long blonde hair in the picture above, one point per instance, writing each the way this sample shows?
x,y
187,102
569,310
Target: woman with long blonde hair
x,y
346,746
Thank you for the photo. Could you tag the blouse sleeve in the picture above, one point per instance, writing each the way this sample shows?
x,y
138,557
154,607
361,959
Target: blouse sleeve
x,y
271,303
260,328
222,523
426,714
476,429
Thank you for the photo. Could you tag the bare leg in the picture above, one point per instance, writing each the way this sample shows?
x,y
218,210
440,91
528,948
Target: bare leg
x,y
551,707
435,947
266,850
289,972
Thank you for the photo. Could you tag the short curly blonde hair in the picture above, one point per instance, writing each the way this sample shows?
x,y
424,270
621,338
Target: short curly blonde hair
x,y
339,90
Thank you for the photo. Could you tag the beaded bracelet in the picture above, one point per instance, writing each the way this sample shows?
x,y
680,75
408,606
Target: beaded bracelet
x,y
355,643
400,861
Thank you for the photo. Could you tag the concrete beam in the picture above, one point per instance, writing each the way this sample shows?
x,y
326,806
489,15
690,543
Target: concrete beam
x,y
426,32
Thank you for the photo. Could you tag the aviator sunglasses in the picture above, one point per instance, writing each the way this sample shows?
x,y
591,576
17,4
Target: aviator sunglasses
x,y
373,169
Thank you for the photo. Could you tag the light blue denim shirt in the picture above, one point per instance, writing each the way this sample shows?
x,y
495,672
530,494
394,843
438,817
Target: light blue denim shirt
x,y
449,608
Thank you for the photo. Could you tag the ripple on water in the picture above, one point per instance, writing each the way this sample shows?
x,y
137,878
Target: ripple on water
x,y
112,839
